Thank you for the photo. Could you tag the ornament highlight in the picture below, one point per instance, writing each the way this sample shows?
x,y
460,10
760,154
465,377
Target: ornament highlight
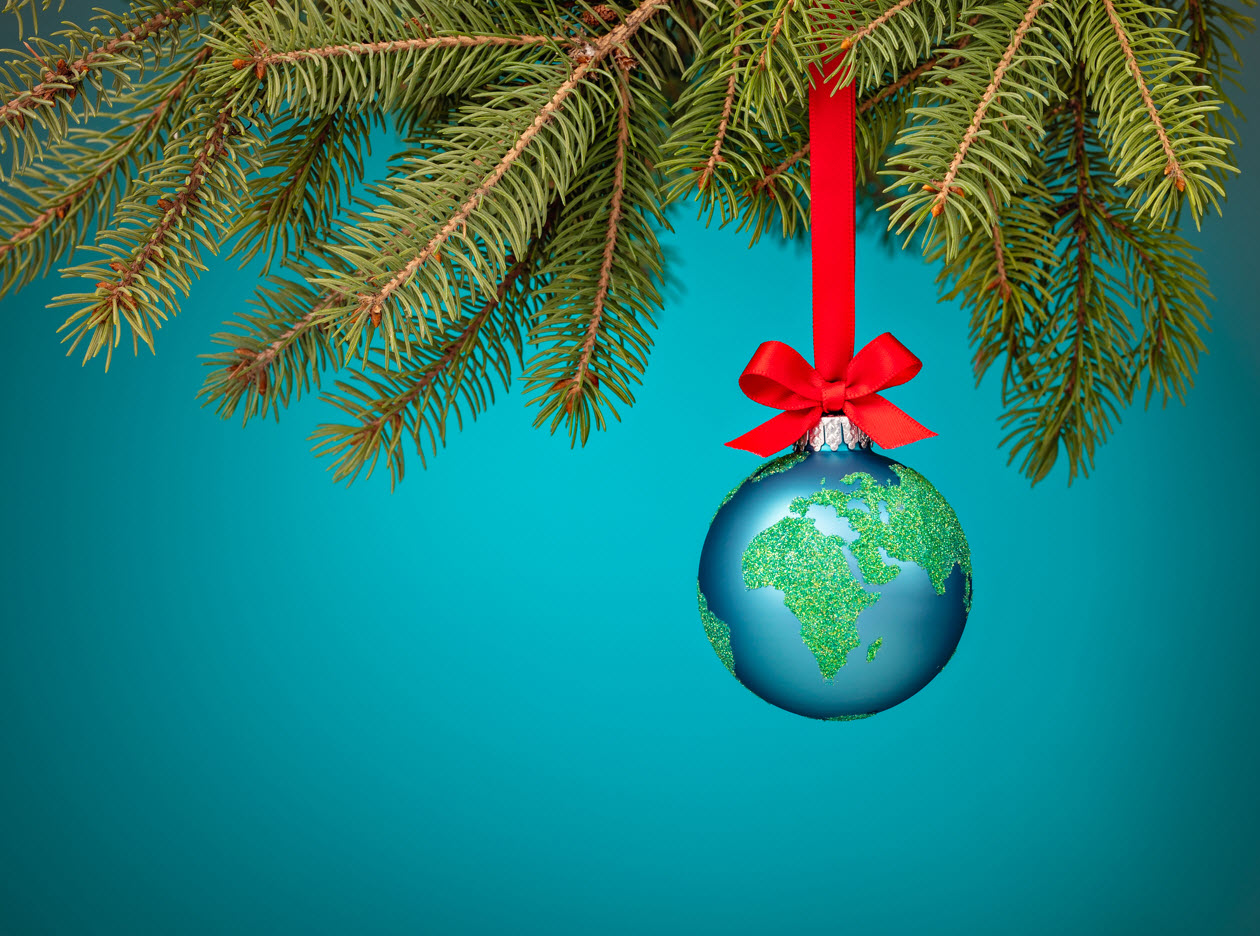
x,y
834,583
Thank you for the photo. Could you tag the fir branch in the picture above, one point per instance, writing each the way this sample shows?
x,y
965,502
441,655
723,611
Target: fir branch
x,y
886,92
417,399
372,304
727,105
763,60
1162,136
1173,166
541,132
317,163
141,273
262,58
62,74
1001,283
767,180
946,187
874,24
75,200
610,248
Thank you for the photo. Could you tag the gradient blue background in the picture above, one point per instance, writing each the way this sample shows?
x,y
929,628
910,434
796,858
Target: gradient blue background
x,y
235,698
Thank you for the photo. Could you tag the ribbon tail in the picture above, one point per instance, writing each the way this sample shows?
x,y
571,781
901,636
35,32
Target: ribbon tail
x,y
779,432
884,422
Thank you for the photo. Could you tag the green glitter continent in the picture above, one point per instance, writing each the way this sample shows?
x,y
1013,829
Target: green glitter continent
x,y
909,522
718,632
810,569
921,528
849,717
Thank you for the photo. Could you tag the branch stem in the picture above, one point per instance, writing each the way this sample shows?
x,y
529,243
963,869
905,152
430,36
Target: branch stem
x,y
1173,165
66,78
947,186
610,245
373,303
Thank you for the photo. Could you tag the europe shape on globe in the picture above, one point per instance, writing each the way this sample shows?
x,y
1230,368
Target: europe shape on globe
x,y
835,584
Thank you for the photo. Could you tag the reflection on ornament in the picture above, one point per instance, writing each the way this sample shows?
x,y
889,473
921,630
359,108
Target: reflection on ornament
x,y
834,584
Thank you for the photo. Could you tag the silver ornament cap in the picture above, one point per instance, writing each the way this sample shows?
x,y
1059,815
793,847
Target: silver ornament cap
x,y
834,432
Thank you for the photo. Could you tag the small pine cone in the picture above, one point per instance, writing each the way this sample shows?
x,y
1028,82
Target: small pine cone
x,y
600,13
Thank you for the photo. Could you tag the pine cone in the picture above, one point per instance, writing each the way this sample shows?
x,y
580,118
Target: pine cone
x,y
600,13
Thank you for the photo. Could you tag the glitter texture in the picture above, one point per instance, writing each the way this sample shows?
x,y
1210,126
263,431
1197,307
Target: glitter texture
x,y
849,717
909,522
920,527
811,570
718,632
873,648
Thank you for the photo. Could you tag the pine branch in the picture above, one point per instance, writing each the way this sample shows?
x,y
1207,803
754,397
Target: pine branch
x,y
1173,167
373,300
1044,149
583,368
55,212
1156,122
874,24
886,92
151,257
763,60
276,357
946,188
727,105
596,305
61,74
261,58
392,406
315,165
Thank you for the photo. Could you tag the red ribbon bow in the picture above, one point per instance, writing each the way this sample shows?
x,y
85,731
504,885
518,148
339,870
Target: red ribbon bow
x,y
839,382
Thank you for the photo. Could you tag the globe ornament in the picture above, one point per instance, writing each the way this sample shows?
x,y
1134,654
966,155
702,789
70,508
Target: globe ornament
x,y
834,582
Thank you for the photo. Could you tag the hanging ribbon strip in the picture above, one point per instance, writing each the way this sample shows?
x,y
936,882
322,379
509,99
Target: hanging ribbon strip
x,y
839,381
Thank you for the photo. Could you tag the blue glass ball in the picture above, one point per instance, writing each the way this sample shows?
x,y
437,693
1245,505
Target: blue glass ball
x,y
834,584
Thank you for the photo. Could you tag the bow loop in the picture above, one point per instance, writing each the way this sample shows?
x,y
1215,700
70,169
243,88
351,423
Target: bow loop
x,y
778,376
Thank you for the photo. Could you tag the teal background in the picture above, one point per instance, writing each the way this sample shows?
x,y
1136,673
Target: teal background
x,y
235,698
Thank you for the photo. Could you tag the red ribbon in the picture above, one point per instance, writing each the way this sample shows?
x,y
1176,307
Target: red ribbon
x,y
839,382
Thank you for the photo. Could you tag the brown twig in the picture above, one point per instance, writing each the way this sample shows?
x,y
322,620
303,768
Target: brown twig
x,y
774,35
262,57
255,363
76,193
1172,166
610,247
373,303
768,179
116,292
911,76
727,105
1001,283
466,332
947,186
874,24
65,78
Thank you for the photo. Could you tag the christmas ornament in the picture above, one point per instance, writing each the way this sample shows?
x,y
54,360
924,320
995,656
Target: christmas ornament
x,y
834,582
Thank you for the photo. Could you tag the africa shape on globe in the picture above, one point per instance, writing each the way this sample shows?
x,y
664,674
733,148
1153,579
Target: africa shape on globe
x,y
835,584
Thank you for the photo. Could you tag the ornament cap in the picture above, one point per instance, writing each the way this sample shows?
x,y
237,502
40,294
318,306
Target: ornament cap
x,y
833,431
